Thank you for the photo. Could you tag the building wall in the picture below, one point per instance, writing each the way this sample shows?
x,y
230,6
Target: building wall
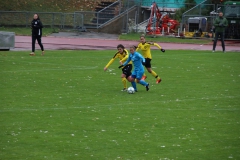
x,y
166,3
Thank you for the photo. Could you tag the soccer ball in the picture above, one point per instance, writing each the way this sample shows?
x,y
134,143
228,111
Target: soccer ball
x,y
130,90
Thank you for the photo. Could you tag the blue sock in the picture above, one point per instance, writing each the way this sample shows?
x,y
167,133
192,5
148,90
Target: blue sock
x,y
134,85
142,82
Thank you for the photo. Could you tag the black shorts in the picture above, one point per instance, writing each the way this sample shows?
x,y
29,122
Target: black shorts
x,y
148,63
127,70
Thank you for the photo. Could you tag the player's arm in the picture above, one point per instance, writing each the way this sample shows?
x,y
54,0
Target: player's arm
x,y
110,62
125,58
138,46
142,58
216,22
125,63
157,45
225,23
38,25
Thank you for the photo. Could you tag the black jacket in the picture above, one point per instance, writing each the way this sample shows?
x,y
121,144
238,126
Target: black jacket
x,y
36,27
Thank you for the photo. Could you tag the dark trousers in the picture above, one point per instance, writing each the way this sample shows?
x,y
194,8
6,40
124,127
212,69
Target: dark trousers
x,y
38,38
217,34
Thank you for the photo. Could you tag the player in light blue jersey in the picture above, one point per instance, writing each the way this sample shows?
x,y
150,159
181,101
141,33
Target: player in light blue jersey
x,y
138,61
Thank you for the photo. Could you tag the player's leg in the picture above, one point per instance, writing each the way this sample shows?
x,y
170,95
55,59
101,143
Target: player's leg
x,y
124,81
215,41
132,80
142,82
134,85
33,45
144,75
126,72
149,69
39,40
222,40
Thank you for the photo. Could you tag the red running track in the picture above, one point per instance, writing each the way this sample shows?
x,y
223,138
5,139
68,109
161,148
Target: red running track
x,y
69,43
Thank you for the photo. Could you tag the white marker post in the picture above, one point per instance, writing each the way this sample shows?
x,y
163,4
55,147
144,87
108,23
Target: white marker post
x,y
178,32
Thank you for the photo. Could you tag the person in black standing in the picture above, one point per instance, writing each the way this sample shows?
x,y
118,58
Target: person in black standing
x,y
220,24
36,26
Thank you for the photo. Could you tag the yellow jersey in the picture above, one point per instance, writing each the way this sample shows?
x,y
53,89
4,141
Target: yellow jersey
x,y
146,49
122,57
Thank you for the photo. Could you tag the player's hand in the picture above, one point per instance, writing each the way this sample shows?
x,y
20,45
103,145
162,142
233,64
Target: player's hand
x,y
120,66
220,24
143,63
120,62
105,68
163,50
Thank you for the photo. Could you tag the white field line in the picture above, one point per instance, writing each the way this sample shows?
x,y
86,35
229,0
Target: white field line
x,y
131,103
54,64
56,57
52,69
94,107
59,67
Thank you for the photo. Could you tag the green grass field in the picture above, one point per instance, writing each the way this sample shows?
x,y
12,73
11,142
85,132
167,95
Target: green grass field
x,y
64,106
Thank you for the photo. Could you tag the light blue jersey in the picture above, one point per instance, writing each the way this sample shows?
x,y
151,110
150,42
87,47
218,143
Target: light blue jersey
x,y
137,60
138,70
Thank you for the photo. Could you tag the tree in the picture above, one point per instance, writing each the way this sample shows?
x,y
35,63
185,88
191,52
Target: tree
x,y
188,5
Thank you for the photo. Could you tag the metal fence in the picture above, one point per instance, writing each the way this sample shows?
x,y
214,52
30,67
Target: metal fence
x,y
192,20
232,13
201,10
96,19
88,19
120,8
210,12
165,6
49,19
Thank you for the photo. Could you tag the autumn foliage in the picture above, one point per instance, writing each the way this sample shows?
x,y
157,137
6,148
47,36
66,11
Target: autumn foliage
x,y
50,5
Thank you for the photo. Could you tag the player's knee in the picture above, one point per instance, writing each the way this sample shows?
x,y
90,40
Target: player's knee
x,y
123,76
130,79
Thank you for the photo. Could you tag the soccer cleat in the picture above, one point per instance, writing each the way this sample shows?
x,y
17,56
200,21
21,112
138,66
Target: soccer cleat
x,y
224,51
143,78
147,87
213,51
158,80
124,89
43,53
32,54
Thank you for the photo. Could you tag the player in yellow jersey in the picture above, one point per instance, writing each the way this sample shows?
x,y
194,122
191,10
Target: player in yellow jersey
x,y
122,54
145,47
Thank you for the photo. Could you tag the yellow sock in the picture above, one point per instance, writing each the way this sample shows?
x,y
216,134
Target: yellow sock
x,y
154,74
124,81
